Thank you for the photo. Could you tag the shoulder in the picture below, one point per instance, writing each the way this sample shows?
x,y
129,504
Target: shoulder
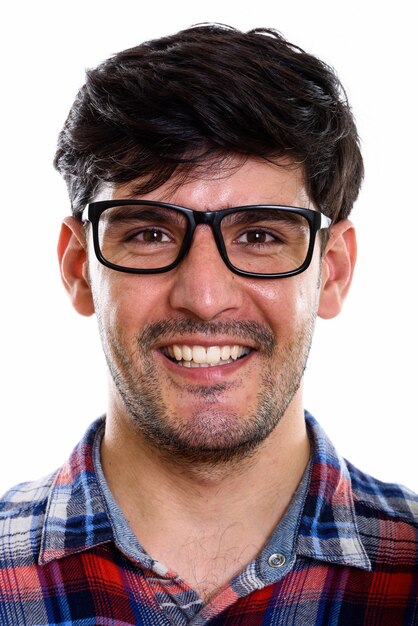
x,y
22,514
25,497
386,518
386,499
371,497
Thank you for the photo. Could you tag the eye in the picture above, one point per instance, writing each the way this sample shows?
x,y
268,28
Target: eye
x,y
256,237
151,235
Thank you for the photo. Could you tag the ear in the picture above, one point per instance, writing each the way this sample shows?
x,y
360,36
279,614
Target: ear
x,y
338,261
72,255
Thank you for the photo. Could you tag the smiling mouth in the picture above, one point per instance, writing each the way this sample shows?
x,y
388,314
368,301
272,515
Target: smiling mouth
x,y
199,356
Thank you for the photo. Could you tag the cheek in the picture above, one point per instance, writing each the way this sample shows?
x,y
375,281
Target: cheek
x,y
126,302
287,303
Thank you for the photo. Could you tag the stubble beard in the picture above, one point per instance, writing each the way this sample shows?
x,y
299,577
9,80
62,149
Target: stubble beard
x,y
209,437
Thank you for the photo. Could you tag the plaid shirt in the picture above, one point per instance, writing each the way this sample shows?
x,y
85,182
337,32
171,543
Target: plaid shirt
x,y
349,557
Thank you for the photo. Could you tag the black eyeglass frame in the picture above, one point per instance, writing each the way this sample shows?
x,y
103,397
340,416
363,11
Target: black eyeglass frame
x,y
92,212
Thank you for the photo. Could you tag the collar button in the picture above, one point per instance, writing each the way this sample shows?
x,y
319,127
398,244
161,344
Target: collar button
x,y
277,560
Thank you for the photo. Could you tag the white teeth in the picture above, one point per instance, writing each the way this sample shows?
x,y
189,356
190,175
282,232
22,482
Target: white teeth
x,y
187,354
234,352
177,352
213,355
225,353
199,356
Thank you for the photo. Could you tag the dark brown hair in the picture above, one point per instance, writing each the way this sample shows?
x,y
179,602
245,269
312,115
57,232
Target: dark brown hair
x,y
202,94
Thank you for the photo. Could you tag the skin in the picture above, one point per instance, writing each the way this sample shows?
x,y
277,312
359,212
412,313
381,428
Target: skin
x,y
205,477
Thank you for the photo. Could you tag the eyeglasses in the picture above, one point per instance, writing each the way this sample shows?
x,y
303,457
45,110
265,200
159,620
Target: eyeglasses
x,y
147,237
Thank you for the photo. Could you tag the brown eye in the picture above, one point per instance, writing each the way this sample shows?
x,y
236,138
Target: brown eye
x,y
152,236
255,237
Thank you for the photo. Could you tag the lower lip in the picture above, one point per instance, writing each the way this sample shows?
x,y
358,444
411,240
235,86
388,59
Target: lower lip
x,y
210,374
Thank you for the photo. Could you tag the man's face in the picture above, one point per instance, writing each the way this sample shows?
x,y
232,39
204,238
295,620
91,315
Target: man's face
x,y
256,333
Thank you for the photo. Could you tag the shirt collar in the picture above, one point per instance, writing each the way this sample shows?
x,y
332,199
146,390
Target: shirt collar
x,y
76,517
328,528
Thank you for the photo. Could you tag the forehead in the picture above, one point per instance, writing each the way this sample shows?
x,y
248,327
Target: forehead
x,y
232,182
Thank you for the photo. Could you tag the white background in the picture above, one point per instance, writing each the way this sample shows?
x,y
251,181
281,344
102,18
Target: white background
x,y
362,376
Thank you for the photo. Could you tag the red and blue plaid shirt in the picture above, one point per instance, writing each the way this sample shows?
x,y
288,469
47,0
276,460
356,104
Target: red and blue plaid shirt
x,y
346,554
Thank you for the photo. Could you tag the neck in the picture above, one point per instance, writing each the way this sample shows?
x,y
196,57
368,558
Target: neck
x,y
204,506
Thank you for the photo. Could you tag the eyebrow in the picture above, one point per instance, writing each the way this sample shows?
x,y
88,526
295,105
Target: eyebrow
x,y
250,217
147,213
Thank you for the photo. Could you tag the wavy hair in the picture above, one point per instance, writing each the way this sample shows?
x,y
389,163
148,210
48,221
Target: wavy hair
x,y
181,102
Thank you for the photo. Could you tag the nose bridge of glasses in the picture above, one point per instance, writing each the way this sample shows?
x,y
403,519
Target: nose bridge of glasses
x,y
206,218
210,219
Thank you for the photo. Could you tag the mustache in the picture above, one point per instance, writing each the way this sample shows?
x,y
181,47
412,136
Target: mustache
x,y
256,332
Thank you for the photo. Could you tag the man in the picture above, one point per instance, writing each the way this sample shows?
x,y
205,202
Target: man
x,y
211,176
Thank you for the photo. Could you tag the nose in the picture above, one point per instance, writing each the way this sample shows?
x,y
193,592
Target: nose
x,y
203,286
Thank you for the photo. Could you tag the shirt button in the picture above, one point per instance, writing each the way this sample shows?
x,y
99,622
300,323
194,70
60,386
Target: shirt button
x,y
277,560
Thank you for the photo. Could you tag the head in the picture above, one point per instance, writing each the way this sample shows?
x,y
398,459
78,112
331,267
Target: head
x,y
209,118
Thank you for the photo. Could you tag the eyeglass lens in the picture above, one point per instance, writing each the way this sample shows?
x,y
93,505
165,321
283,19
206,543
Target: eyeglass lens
x,y
264,241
